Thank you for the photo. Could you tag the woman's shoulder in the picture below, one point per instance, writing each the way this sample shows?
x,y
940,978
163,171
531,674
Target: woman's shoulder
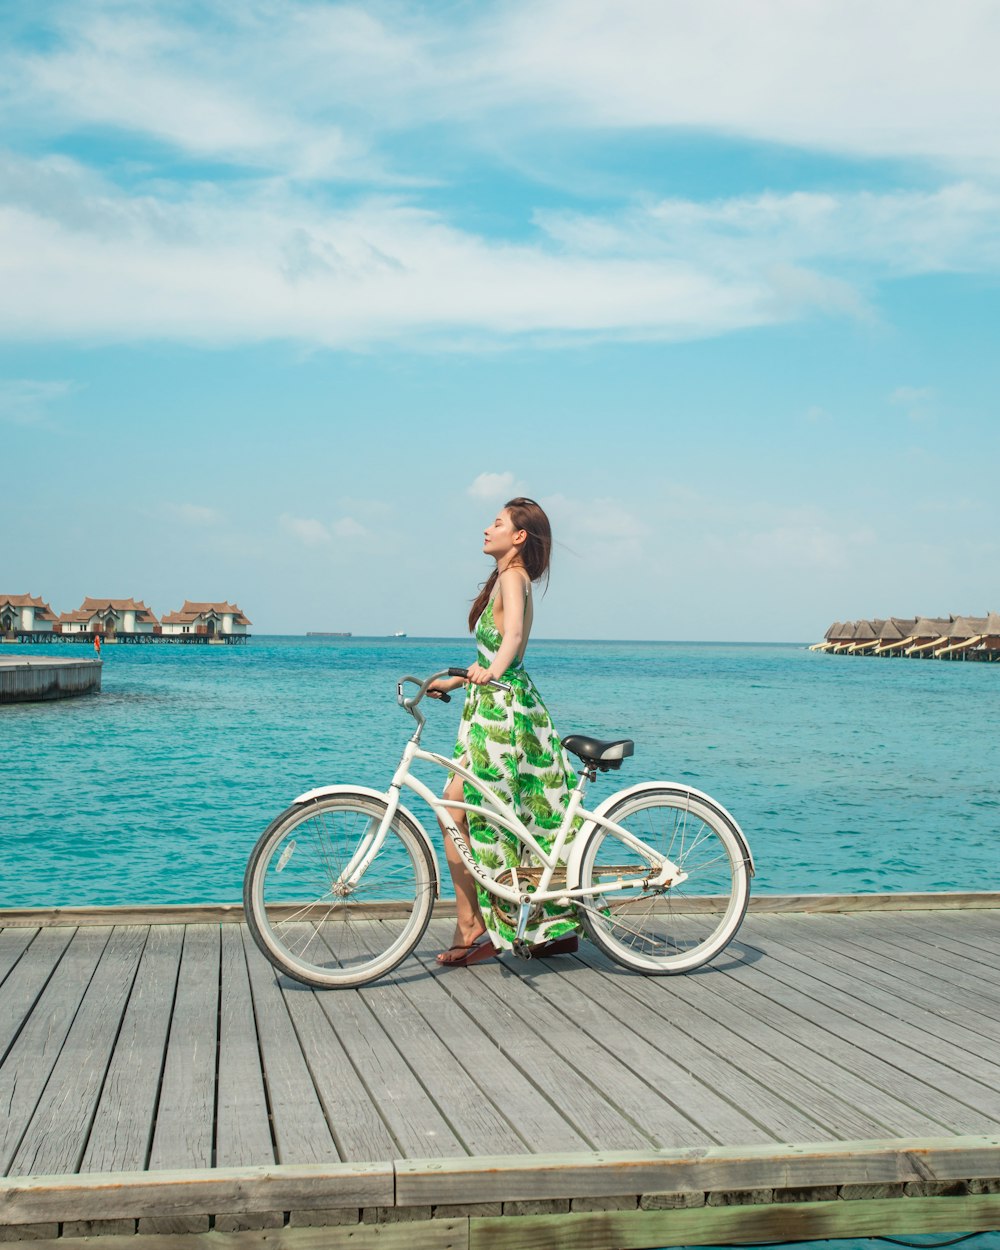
x,y
516,577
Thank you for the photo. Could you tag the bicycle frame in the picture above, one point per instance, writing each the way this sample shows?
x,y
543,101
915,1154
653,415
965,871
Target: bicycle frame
x,y
497,812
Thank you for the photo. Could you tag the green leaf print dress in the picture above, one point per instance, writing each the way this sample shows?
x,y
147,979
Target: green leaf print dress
x,y
508,741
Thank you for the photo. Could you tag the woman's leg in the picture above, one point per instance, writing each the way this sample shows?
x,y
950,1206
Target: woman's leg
x,y
468,919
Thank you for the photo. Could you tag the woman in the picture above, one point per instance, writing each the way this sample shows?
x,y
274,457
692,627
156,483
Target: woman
x,y
507,740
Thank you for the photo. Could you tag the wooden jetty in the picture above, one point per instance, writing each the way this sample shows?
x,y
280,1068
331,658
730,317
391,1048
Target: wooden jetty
x,y
25,679
835,1073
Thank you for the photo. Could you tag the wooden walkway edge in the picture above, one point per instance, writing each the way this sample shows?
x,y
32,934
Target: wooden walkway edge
x,y
810,1191
232,913
835,1073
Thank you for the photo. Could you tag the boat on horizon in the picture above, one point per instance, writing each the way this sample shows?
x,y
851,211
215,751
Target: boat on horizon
x,y
398,634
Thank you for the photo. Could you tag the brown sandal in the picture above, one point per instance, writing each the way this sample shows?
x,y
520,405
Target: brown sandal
x,y
477,953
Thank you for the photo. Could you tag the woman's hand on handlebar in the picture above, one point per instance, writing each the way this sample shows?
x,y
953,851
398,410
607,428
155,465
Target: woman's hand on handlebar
x,y
442,685
478,675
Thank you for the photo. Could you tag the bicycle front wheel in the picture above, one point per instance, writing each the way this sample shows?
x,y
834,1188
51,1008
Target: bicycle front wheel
x,y
684,926
310,912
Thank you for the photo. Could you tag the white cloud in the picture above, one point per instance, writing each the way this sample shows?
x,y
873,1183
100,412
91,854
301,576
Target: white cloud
x,y
308,531
348,527
235,265
194,514
953,228
225,264
26,401
270,83
490,486
907,78
916,401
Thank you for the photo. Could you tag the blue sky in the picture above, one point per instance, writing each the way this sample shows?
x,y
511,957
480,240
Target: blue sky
x,y
293,295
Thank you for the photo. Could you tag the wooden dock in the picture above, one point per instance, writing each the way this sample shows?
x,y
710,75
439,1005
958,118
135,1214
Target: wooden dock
x,y
24,679
835,1073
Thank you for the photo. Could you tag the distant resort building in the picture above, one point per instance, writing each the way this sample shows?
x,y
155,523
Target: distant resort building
x,y
223,621
921,637
111,618
28,618
24,614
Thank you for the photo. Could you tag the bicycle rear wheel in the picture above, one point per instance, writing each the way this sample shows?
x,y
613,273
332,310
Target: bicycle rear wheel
x,y
319,928
670,931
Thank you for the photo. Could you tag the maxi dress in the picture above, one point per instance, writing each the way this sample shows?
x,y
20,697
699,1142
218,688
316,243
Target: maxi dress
x,y
508,741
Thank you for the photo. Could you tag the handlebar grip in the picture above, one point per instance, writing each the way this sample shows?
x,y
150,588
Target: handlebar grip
x,y
445,698
458,672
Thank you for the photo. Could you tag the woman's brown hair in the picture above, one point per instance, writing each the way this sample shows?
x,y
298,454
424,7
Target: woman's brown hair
x,y
533,555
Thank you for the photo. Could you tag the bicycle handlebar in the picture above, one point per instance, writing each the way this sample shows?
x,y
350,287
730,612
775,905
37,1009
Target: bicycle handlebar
x,y
410,703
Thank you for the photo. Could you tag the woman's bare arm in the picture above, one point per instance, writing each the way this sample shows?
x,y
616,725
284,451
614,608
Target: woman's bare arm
x,y
512,590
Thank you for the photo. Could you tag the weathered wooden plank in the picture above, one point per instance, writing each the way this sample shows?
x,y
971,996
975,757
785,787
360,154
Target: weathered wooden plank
x,y
170,913
594,1118
933,900
232,913
13,943
907,1046
774,1222
919,1004
741,1022
56,1136
536,1118
970,962
750,1068
31,1059
806,1017
123,1123
917,977
352,1113
126,1195
243,1136
605,1056
243,1132
414,1120
443,1073
445,1234
184,1135
682,1067
910,939
27,979
301,1132
611,1173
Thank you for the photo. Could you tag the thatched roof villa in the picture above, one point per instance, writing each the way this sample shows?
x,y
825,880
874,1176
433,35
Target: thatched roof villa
x,y
926,637
895,634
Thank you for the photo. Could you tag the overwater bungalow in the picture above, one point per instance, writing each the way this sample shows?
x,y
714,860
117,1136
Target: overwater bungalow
x,y
894,634
111,618
866,635
22,615
928,633
844,639
960,634
221,622
828,637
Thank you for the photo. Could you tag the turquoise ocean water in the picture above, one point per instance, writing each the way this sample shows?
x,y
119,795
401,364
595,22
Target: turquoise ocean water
x,y
846,774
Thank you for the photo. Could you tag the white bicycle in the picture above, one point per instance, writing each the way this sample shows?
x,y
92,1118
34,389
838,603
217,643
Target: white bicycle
x,y
340,887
